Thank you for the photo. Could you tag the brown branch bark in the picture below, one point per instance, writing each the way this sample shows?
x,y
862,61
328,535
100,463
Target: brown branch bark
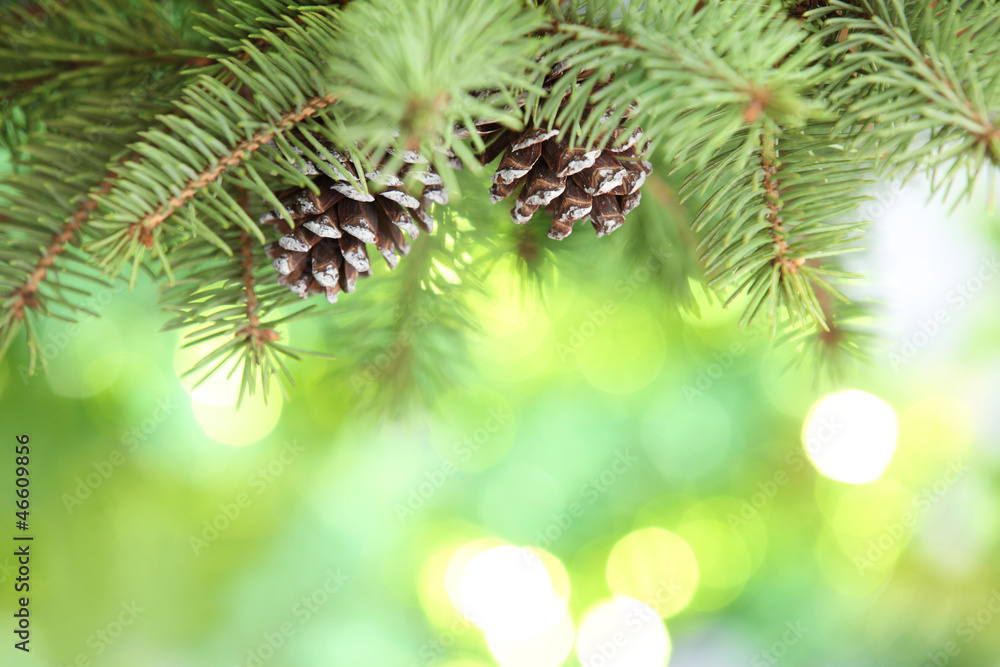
x,y
772,194
143,229
26,293
253,332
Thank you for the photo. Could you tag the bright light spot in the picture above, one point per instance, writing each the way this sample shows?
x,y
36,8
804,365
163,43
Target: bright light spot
x,y
250,423
655,566
214,400
218,389
507,592
850,436
549,648
459,564
622,633
557,573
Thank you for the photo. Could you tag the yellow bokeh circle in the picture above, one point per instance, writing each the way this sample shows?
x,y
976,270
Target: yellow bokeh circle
x,y
656,567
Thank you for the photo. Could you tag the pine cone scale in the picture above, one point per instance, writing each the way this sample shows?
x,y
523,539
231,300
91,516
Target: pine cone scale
x,y
299,240
324,225
357,219
324,263
354,252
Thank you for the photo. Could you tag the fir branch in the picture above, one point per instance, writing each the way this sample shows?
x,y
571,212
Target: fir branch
x,y
933,74
143,229
47,63
24,296
198,149
220,304
779,235
417,320
692,87
253,331
53,193
761,227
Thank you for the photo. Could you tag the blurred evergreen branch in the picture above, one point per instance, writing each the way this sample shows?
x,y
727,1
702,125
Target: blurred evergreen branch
x,y
145,133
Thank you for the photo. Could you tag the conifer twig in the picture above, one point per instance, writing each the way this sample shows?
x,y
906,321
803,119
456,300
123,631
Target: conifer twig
x,y
253,331
25,294
143,229
772,197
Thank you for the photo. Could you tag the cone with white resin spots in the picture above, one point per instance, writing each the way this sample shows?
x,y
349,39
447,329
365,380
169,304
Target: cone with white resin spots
x,y
325,251
573,184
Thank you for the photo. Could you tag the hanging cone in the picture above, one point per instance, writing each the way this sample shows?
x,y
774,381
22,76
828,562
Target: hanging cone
x,y
326,251
573,184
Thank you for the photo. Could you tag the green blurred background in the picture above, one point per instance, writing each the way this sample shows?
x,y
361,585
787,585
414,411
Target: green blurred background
x,y
172,530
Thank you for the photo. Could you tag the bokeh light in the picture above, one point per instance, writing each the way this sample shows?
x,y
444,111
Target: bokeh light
x,y
255,419
655,566
507,591
213,401
548,648
459,564
850,436
727,550
622,632
658,456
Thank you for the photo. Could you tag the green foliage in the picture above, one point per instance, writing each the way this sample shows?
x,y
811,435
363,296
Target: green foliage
x,y
765,230
141,131
57,54
236,315
393,62
404,339
696,77
928,81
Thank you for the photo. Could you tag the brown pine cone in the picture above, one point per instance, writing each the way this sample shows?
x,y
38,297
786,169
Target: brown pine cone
x,y
573,184
326,251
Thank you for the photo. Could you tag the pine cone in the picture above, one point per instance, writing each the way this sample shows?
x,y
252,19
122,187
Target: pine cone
x,y
326,251
573,184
